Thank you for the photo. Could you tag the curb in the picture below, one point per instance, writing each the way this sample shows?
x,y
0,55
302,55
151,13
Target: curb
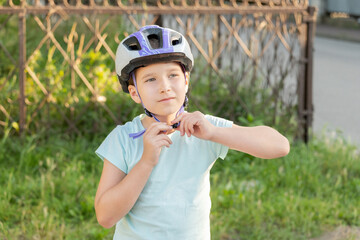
x,y
328,31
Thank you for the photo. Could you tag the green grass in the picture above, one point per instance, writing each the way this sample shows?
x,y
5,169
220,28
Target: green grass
x,y
48,185
316,187
48,188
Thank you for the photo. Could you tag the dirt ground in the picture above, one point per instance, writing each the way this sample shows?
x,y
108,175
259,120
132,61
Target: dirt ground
x,y
341,233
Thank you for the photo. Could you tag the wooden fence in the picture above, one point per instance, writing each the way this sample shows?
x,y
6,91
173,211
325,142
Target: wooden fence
x,y
271,39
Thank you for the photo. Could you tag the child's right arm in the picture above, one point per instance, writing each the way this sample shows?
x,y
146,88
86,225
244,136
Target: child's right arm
x,y
118,192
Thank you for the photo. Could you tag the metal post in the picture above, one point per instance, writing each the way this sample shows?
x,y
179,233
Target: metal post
x,y
22,76
308,88
159,20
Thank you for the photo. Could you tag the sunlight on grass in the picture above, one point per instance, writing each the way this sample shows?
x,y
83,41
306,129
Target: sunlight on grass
x,y
48,188
295,197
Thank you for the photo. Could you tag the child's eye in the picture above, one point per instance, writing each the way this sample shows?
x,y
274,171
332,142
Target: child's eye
x,y
150,80
173,75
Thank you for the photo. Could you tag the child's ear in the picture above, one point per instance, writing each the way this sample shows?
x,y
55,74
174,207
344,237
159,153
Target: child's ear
x,y
133,94
187,82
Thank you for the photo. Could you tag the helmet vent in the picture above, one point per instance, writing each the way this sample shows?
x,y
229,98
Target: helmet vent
x,y
154,41
175,42
175,39
132,44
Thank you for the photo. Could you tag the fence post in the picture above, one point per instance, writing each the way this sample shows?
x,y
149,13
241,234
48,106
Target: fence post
x,y
22,76
305,91
308,99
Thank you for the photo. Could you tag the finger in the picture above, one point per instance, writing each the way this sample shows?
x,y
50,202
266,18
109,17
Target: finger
x,y
157,128
176,125
179,127
164,141
178,118
165,144
193,122
182,126
167,139
190,128
184,123
190,125
162,137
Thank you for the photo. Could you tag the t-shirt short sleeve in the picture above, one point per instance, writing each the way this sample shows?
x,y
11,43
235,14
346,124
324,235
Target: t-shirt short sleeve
x,y
113,149
218,149
175,200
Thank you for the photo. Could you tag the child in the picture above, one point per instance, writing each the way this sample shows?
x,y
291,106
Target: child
x,y
155,178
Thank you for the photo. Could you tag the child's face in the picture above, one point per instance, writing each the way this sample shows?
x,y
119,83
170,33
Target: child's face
x,y
162,88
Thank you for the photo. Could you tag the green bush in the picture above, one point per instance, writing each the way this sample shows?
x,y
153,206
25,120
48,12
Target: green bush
x,y
66,103
58,99
243,98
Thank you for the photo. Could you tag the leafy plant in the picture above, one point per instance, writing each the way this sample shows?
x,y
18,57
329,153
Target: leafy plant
x,y
242,98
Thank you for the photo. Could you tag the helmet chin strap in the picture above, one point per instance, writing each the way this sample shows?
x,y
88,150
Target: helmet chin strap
x,y
150,114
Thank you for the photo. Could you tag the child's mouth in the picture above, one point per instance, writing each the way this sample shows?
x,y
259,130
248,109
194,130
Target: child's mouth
x,y
166,99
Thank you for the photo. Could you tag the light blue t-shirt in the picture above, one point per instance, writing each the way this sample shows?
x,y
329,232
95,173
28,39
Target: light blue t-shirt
x,y
175,202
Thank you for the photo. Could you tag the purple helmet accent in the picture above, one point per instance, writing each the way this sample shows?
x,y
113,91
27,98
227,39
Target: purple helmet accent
x,y
151,44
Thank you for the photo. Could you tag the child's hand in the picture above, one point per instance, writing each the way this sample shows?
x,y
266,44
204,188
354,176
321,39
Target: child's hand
x,y
194,124
154,139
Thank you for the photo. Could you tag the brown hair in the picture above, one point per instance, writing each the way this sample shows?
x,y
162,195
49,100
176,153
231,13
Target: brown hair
x,y
131,80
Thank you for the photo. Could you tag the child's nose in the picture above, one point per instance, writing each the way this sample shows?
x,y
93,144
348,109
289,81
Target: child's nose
x,y
165,86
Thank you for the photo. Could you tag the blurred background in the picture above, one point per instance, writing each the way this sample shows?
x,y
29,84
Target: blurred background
x,y
336,69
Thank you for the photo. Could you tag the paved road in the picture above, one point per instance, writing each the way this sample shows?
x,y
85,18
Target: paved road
x,y
337,87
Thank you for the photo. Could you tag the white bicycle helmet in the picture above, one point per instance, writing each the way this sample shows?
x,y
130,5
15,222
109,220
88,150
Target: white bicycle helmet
x,y
151,44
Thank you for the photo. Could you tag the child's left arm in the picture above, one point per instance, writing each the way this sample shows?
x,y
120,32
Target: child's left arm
x,y
260,141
